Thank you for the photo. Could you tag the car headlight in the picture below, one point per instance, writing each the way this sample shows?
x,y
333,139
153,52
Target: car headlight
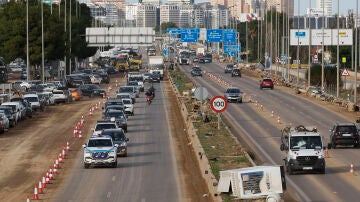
x,y
112,153
123,144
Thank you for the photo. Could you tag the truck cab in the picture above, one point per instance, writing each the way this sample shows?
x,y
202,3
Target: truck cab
x,y
304,149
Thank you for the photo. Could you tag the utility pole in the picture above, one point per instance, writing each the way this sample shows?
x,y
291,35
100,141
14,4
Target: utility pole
x,y
356,50
42,43
310,36
337,53
322,52
27,43
298,46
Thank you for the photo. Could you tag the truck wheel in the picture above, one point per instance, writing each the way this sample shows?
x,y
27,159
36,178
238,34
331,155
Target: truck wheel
x,y
114,165
86,166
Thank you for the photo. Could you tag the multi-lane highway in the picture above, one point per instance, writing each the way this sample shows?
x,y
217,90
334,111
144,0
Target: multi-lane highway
x,y
147,174
260,132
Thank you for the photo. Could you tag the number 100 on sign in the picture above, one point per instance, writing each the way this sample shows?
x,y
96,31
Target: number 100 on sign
x,y
218,104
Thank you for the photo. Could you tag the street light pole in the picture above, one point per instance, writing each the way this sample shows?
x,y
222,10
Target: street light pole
x,y
309,68
27,42
337,54
356,51
298,46
42,43
322,52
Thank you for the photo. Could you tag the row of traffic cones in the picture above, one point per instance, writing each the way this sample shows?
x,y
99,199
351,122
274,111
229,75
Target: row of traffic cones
x,y
50,174
47,178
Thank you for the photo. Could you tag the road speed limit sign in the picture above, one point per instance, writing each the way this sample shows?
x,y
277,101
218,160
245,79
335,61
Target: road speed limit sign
x,y
218,104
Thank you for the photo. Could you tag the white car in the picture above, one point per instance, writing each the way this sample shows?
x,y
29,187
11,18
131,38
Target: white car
x,y
129,107
95,79
100,150
125,96
48,97
34,100
59,96
102,125
23,84
5,121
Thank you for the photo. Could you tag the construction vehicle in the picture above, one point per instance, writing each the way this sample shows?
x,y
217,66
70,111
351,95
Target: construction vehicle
x,y
304,149
122,62
135,62
156,65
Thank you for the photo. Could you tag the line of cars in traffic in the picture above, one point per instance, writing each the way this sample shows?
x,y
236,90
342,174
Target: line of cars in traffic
x,y
108,140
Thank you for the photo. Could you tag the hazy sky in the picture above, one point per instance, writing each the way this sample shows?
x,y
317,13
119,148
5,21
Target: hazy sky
x,y
345,5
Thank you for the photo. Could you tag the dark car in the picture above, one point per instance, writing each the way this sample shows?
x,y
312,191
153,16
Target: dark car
x,y
228,68
118,136
344,134
236,72
23,76
201,60
155,78
267,83
117,116
196,71
105,78
91,90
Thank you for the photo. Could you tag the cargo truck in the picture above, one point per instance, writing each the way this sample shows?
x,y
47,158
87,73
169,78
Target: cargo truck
x,y
156,65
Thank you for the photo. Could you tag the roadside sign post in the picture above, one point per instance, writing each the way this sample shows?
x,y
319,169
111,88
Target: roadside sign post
x,y
345,73
218,104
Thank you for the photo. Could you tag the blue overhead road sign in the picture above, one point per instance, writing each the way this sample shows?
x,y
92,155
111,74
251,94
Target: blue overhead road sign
x,y
229,35
189,37
165,52
231,49
300,34
214,35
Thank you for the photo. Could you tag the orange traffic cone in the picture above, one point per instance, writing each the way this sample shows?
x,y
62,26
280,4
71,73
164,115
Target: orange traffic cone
x,y
80,134
351,169
36,194
63,154
74,133
27,198
278,119
67,146
60,159
43,182
326,153
272,113
40,187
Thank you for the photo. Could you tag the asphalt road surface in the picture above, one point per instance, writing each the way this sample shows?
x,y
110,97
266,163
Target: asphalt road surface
x,y
147,174
259,131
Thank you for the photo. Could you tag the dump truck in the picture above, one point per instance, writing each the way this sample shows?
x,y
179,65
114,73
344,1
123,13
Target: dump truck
x,y
122,62
135,62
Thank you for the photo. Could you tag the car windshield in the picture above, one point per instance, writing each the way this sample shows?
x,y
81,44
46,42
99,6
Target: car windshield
x,y
233,90
126,101
115,114
267,80
126,89
58,92
229,66
104,126
32,99
347,129
305,142
116,136
114,103
100,143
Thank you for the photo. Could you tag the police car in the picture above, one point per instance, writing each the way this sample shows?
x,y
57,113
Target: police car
x,y
101,151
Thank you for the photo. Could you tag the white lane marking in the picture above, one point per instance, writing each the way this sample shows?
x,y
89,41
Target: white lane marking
x,y
108,195
113,178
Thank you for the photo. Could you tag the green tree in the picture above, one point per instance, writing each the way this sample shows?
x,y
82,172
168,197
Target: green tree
x,y
164,26
13,31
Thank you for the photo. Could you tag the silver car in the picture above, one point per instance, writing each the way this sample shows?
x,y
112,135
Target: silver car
x,y
233,94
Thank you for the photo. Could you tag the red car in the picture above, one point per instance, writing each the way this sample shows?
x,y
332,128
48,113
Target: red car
x,y
267,83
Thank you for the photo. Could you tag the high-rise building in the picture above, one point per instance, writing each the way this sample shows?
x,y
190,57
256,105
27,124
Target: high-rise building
x,y
325,5
146,15
183,15
153,2
131,14
180,2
